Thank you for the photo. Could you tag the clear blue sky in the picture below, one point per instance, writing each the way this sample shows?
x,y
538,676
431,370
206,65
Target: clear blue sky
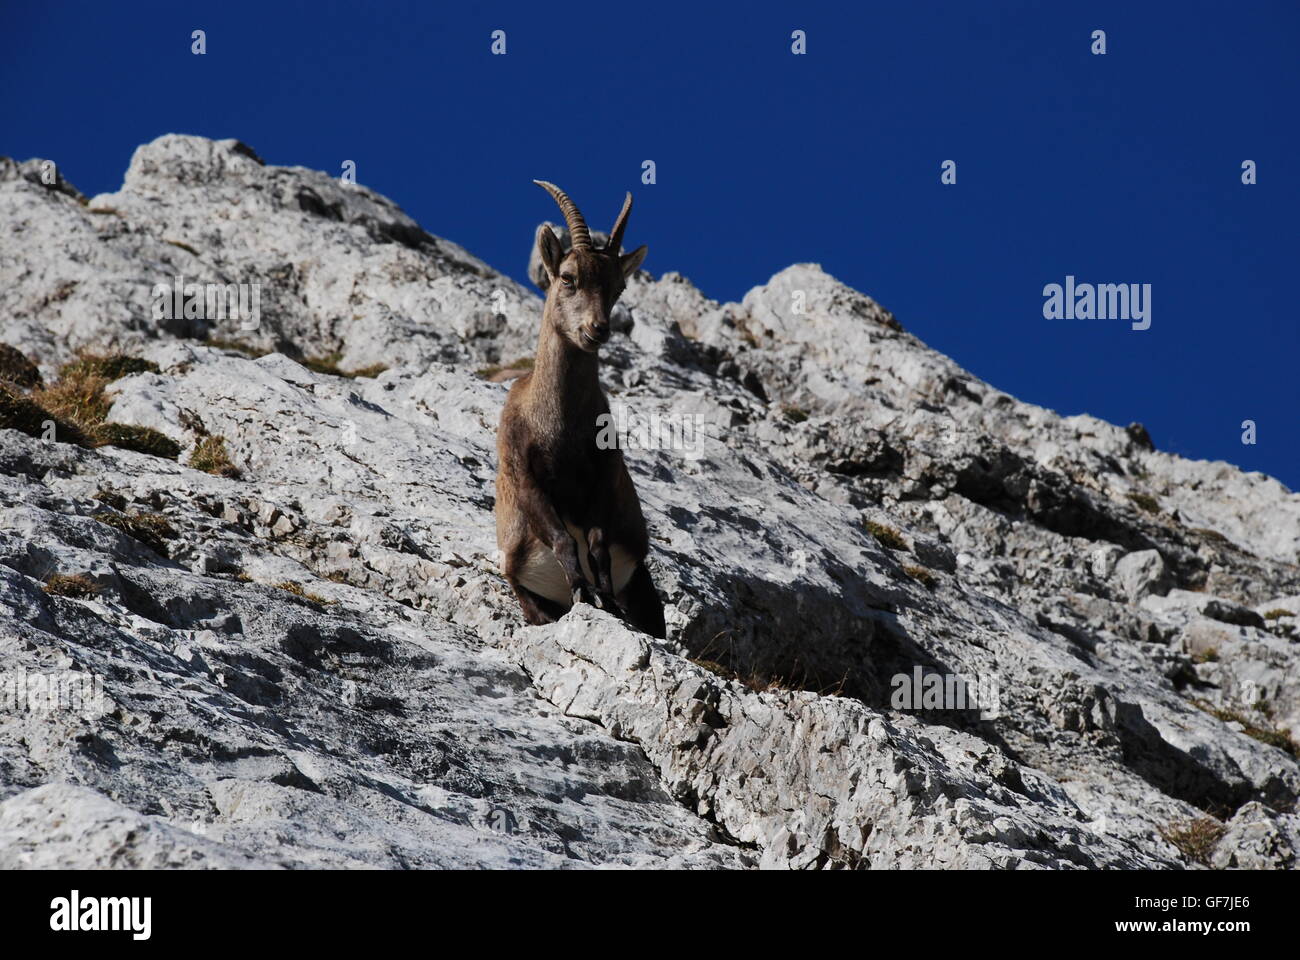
x,y
1117,168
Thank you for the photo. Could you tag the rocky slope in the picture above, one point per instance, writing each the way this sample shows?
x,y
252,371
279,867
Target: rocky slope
x,y
313,660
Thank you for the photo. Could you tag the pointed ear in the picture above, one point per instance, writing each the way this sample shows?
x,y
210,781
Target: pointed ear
x,y
631,261
548,245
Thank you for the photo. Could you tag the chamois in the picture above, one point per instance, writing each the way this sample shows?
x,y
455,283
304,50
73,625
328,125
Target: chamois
x,y
569,524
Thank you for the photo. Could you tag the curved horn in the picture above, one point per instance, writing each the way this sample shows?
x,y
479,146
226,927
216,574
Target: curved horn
x,y
579,235
616,235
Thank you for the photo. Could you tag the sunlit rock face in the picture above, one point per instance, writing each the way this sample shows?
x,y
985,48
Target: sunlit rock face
x,y
317,663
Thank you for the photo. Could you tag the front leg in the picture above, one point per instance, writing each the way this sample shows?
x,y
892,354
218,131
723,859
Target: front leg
x,y
546,526
598,555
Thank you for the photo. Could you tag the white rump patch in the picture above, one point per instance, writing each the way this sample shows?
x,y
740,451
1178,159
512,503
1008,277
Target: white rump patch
x,y
542,574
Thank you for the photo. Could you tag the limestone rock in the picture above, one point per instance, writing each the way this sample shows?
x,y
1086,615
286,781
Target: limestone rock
x,y
320,664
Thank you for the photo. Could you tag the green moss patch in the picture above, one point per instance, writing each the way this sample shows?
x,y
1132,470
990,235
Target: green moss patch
x,y
1146,502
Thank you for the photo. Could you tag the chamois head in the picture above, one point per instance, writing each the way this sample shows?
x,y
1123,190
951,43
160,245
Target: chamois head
x,y
585,282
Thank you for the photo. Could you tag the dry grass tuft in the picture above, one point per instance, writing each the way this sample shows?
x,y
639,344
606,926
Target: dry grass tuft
x,y
887,536
110,366
503,372
210,456
236,346
140,439
151,529
762,674
76,585
329,365
374,370
1195,838
1274,737
921,575
76,407
288,586
77,397
19,412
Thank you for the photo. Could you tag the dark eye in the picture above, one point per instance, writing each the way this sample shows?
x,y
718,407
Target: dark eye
x,y
566,279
